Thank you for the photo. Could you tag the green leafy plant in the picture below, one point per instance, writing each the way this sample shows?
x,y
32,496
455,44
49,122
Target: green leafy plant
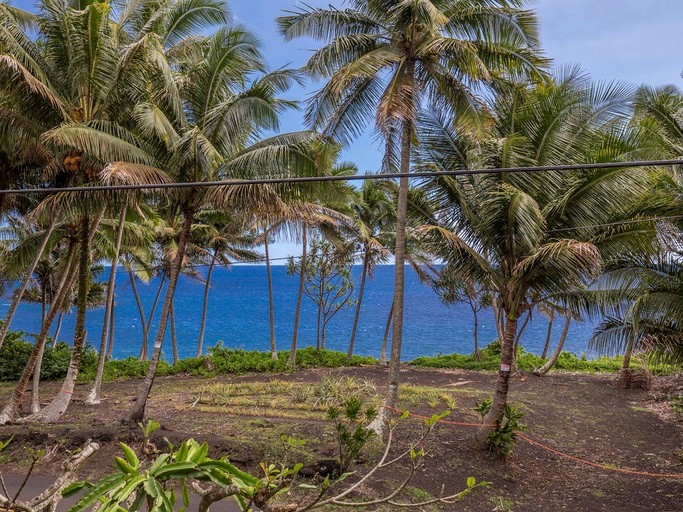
x,y
503,438
350,423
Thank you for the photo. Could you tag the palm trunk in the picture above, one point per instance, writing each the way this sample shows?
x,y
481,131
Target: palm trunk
x,y
174,339
515,349
271,305
58,328
352,341
4,328
495,415
137,412
43,305
145,329
291,360
477,354
145,346
94,395
391,399
548,336
200,343
385,341
112,329
628,353
59,404
11,410
543,370
35,384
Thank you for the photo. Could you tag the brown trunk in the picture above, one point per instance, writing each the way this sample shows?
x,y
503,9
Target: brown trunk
x,y
11,411
352,341
558,350
55,339
94,395
200,343
391,399
515,348
145,329
59,404
16,299
385,341
500,396
174,339
549,335
150,318
112,329
35,385
291,360
137,412
271,305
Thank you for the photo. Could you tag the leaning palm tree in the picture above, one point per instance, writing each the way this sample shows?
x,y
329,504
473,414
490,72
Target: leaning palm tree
x,y
533,237
387,58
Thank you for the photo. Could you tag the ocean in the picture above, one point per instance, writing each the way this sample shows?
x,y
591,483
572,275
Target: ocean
x,y
238,317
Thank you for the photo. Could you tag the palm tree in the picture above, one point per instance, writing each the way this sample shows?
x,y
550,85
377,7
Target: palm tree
x,y
391,57
534,237
373,215
221,240
80,74
210,138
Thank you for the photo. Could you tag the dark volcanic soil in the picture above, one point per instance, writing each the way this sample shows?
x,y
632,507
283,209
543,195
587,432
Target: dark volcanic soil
x,y
582,415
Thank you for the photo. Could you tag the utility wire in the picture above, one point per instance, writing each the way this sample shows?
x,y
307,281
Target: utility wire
x,y
360,177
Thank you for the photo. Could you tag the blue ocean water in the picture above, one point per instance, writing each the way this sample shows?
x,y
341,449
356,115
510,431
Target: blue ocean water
x,y
238,317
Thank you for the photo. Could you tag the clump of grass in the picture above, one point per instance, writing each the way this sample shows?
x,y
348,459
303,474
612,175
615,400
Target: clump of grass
x,y
434,397
279,395
334,390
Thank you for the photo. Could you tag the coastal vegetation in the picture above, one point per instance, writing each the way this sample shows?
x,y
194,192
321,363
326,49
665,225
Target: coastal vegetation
x,y
145,135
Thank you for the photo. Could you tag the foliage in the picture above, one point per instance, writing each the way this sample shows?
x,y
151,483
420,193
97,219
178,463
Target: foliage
x,y
503,438
328,282
16,350
351,425
489,360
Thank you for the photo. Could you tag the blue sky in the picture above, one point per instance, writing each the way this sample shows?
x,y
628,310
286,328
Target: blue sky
x,y
636,41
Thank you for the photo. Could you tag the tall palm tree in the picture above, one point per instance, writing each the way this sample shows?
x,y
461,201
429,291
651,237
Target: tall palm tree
x,y
373,215
211,138
533,237
220,240
388,58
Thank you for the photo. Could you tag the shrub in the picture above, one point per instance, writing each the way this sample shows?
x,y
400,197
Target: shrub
x,y
503,439
526,361
16,350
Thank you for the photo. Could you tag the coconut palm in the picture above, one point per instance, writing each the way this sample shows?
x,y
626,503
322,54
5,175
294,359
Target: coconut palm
x,y
373,215
387,58
211,138
221,240
533,237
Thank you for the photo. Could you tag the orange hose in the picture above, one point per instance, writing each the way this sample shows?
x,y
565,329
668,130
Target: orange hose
x,y
549,449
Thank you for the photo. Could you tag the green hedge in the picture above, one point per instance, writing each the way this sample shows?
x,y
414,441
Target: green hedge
x,y
490,360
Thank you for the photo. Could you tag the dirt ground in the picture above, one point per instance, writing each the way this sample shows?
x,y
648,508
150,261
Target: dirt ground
x,y
584,415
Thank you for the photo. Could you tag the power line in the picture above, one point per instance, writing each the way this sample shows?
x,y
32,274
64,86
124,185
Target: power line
x,y
361,177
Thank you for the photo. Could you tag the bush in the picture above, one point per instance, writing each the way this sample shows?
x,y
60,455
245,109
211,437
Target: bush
x,y
526,361
16,350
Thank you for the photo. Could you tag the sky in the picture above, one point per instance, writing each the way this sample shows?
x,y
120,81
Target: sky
x,y
635,41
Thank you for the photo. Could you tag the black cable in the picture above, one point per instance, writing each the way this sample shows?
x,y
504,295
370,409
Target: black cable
x,y
360,177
